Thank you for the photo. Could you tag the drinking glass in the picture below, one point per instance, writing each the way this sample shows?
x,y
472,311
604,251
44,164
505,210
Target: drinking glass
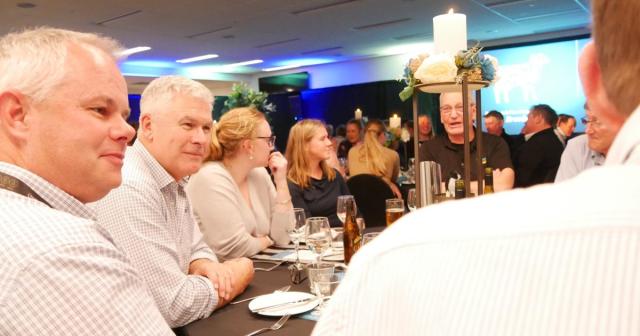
x,y
368,237
341,207
296,229
325,287
318,234
411,199
316,271
394,210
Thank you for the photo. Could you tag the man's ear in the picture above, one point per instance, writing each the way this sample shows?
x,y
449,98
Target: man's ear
x,y
589,71
594,90
145,128
14,114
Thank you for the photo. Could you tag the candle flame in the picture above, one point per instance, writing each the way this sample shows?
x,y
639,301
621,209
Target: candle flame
x,y
395,115
450,10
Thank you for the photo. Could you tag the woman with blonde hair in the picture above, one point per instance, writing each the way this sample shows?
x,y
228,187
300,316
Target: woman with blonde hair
x,y
372,157
314,185
239,210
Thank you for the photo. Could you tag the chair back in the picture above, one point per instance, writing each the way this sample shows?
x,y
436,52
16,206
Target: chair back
x,y
370,192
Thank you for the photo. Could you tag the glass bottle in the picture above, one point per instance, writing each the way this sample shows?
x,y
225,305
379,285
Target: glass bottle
x,y
459,191
488,180
351,235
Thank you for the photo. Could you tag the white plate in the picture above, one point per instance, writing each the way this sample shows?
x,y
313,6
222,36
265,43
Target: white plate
x,y
276,298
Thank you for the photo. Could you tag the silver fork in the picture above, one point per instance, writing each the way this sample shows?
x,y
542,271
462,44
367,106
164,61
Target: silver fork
x,y
279,290
275,326
271,268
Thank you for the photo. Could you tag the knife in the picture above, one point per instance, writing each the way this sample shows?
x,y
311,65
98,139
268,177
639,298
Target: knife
x,y
285,304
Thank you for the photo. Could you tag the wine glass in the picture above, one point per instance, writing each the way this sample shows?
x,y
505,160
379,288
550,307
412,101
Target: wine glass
x,y
341,207
318,235
411,199
296,229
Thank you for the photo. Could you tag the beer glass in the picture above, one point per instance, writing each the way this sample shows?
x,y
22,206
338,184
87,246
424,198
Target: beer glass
x,y
394,210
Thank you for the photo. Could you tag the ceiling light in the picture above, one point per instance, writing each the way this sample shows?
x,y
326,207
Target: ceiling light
x,y
197,58
133,51
282,67
233,65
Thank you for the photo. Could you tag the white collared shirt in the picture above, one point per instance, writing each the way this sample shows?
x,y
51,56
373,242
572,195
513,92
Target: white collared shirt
x,y
557,259
577,156
151,220
60,274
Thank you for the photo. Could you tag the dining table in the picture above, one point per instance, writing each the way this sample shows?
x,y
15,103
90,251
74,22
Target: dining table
x,y
239,320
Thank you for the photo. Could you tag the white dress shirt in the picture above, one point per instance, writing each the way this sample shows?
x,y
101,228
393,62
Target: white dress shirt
x,y
577,156
150,219
560,259
60,274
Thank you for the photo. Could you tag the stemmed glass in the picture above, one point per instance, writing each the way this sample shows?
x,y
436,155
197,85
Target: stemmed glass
x,y
341,207
318,235
296,229
411,199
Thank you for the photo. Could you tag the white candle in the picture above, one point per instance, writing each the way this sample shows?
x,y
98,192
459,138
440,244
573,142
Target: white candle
x,y
358,114
394,122
450,32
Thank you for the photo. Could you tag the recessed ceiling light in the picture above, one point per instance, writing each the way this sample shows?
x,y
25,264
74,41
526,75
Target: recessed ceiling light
x,y
197,58
232,65
133,51
25,4
282,67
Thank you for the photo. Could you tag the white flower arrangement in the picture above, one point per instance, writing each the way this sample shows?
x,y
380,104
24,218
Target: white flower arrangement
x,y
440,68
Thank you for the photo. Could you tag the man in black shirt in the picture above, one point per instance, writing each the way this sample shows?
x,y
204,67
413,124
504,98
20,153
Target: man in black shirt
x,y
448,149
537,159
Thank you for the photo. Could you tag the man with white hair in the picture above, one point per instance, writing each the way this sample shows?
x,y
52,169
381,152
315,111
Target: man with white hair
x,y
62,141
537,269
150,217
448,149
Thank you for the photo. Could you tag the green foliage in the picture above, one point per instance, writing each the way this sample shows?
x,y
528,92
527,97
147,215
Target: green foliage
x,y
243,96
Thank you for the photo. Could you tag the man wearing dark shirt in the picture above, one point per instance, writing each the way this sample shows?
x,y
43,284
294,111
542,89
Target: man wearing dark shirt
x,y
354,132
537,159
494,122
448,149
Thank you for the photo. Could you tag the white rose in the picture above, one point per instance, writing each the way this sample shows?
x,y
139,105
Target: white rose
x,y
437,68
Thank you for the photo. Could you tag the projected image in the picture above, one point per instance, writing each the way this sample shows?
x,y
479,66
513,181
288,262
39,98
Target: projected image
x,y
537,74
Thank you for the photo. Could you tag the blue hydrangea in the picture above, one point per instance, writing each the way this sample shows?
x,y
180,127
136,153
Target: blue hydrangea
x,y
488,71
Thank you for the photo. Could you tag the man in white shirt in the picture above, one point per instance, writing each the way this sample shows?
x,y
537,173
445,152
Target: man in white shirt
x,y
63,133
534,270
150,217
590,149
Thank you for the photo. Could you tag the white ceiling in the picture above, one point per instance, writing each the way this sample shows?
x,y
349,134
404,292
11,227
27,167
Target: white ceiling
x,y
277,31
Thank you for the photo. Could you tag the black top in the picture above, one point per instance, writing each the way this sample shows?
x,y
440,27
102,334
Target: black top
x,y
320,198
537,160
343,148
450,156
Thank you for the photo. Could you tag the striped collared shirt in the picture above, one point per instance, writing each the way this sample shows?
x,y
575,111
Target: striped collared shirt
x,y
151,220
60,274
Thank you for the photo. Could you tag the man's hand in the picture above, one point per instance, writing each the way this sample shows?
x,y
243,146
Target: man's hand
x,y
220,275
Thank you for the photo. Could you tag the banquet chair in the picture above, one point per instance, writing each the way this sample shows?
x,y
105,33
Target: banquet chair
x,y
370,193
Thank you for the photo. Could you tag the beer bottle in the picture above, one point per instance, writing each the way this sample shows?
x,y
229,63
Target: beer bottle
x,y
460,192
351,235
488,180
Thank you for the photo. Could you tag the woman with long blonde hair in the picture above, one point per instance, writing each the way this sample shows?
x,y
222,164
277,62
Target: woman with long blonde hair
x,y
313,183
239,210
372,157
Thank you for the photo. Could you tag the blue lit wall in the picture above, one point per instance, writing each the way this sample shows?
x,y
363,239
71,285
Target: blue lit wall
x,y
537,74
